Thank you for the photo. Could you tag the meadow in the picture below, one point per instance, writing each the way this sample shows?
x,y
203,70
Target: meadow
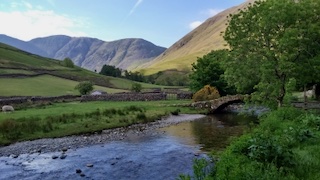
x,y
63,119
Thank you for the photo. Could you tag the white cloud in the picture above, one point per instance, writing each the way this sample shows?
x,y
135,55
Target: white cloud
x,y
195,24
209,13
30,24
135,7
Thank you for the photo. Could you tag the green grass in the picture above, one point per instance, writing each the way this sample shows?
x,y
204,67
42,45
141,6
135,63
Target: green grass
x,y
126,84
14,61
15,71
62,119
45,85
12,57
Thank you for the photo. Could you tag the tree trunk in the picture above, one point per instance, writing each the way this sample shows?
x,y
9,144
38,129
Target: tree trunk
x,y
305,96
282,93
317,91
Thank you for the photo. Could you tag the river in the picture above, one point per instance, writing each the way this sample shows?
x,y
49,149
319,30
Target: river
x,y
164,154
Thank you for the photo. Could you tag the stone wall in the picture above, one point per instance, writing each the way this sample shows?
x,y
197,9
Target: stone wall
x,y
146,96
126,97
36,99
185,95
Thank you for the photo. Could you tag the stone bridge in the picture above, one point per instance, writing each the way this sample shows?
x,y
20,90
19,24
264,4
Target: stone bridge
x,y
220,103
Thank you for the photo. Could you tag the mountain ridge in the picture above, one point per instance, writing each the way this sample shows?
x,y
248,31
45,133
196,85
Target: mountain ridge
x,y
198,42
90,53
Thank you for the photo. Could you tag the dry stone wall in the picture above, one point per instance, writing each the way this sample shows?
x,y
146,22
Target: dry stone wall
x,y
126,97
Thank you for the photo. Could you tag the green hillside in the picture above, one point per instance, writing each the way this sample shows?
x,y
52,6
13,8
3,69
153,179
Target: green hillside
x,y
25,74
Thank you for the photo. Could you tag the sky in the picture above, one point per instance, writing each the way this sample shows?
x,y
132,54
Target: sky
x,y
162,22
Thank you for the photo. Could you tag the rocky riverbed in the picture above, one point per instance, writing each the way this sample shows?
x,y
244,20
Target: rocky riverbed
x,y
73,142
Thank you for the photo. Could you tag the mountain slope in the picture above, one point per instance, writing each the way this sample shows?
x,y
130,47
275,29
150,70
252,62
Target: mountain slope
x,y
200,41
90,53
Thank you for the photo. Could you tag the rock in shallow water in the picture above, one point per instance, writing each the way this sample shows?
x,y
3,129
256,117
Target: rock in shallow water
x,y
89,165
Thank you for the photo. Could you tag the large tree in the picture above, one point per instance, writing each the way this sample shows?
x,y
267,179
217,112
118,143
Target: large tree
x,y
271,42
208,71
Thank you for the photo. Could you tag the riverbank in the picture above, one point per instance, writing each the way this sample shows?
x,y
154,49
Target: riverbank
x,y
78,141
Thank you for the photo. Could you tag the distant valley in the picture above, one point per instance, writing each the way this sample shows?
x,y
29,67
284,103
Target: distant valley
x,y
134,54
90,53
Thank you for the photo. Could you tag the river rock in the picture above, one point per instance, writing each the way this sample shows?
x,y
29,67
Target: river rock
x,y
64,149
63,156
54,156
89,165
78,171
14,156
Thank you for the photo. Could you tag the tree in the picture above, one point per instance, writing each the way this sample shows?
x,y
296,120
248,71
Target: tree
x,y
271,42
208,70
68,63
110,71
136,87
84,87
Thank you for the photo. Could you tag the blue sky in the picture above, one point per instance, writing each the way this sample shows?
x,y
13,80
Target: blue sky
x,y
162,22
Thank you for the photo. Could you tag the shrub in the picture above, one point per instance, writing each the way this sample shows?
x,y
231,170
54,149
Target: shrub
x,y
136,87
10,129
206,93
68,63
84,87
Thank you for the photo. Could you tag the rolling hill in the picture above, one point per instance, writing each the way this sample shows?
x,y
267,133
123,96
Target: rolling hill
x,y
90,53
26,74
200,41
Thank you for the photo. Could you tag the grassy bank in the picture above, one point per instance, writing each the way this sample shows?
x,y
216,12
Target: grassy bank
x,y
285,145
62,119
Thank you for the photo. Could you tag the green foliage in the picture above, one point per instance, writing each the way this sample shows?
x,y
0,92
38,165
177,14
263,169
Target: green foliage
x,y
202,168
136,87
110,71
208,70
84,87
68,63
176,112
206,93
283,146
271,42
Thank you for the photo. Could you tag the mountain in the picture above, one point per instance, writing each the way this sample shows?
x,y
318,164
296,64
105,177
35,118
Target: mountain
x,y
90,53
21,45
200,41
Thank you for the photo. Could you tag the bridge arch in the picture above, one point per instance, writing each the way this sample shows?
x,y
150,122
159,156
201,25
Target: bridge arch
x,y
218,104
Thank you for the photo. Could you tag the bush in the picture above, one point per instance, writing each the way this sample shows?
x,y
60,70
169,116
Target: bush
x,y
136,87
68,63
84,87
206,93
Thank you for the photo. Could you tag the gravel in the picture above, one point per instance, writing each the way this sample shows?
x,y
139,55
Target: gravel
x,y
78,141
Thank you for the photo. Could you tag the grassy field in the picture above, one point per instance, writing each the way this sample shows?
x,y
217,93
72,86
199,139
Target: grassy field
x,y
61,80
62,119
45,85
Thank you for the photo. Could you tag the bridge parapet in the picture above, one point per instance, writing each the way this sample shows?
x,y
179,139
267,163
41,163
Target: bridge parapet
x,y
216,104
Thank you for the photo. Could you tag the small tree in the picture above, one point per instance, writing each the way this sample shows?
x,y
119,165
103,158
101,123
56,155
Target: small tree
x,y
84,87
68,63
136,87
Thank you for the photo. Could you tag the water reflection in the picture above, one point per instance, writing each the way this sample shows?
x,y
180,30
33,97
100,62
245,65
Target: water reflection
x,y
212,132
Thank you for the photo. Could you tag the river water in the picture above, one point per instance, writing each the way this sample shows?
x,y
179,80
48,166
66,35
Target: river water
x,y
162,155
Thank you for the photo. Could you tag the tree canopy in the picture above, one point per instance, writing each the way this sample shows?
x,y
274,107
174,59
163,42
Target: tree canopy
x,y
208,71
270,43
